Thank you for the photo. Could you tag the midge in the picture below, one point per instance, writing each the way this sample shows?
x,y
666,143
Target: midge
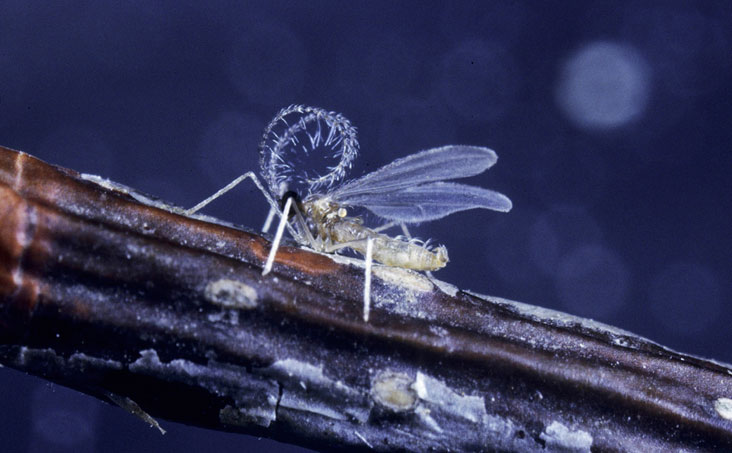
x,y
409,190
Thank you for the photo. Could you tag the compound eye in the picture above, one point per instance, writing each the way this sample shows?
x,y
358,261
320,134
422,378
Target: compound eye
x,y
342,212
295,199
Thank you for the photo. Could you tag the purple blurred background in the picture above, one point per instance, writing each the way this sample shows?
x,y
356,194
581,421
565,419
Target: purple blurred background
x,y
611,121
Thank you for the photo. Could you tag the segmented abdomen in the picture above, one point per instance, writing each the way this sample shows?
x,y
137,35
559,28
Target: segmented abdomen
x,y
387,250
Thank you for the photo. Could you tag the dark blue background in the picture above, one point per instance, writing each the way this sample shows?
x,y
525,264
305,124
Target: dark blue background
x,y
611,120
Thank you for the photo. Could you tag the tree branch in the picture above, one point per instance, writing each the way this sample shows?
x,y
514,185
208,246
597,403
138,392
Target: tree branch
x,y
120,296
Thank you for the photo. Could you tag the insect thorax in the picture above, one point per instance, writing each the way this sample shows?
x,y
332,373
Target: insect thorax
x,y
322,213
335,227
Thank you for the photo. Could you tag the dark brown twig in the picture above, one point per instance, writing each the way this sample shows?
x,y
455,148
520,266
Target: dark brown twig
x,y
114,294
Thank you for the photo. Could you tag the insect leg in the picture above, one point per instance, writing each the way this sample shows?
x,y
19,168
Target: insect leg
x,y
405,230
274,209
367,280
230,186
385,226
278,237
268,220
357,245
306,236
369,252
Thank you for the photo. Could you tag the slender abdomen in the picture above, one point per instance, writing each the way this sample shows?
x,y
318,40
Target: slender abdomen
x,y
387,250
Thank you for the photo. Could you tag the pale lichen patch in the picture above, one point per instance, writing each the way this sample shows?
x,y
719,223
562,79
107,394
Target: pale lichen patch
x,y
560,438
231,294
393,390
723,406
558,318
225,316
82,361
305,388
437,392
404,278
255,398
306,372
27,355
443,410
121,188
447,288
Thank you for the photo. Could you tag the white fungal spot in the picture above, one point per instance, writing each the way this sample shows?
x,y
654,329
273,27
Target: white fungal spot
x,y
231,294
723,406
560,438
393,390
434,391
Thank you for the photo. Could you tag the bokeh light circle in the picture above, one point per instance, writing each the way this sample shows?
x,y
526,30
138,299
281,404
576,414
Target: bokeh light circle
x,y
604,85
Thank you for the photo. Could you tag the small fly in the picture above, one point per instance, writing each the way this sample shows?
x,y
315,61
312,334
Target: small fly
x,y
409,190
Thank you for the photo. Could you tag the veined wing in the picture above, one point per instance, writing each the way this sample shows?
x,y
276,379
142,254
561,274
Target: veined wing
x,y
430,201
436,164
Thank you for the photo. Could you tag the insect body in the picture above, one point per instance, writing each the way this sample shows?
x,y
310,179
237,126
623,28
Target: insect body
x,y
410,190
335,230
397,252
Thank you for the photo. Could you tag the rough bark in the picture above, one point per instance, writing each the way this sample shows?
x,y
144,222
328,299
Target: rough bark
x,y
120,296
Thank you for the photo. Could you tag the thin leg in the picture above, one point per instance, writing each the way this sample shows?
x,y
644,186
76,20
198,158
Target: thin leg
x,y
306,236
367,280
385,226
358,245
405,230
230,186
274,208
268,220
278,237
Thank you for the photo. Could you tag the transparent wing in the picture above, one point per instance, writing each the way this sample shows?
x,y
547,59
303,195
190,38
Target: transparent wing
x,y
436,164
431,201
